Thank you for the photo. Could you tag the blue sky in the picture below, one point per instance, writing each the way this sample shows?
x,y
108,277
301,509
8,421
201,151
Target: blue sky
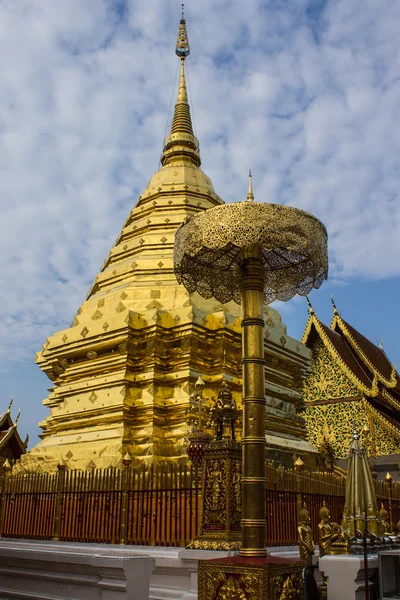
x,y
305,93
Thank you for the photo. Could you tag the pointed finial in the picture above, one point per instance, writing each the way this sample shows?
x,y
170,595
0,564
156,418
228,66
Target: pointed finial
x,y
62,465
250,195
127,460
381,343
388,477
311,310
298,465
182,45
181,144
7,466
18,416
10,405
335,311
199,383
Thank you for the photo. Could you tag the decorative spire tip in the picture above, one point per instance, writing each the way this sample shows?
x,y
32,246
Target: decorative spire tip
x,y
355,431
182,45
250,195
335,311
311,311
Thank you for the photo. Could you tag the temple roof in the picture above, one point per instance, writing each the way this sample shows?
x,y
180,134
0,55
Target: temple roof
x,y
365,364
370,354
342,353
11,444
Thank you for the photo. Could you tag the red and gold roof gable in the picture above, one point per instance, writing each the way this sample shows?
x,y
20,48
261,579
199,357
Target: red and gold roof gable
x,y
341,353
373,356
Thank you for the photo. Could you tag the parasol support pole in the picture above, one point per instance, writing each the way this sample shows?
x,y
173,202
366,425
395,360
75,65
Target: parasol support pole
x,y
253,439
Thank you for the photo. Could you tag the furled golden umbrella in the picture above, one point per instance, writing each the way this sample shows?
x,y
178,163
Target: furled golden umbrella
x,y
252,253
361,514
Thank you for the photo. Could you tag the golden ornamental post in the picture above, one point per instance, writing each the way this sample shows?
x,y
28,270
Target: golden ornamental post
x,y
298,469
62,468
127,462
251,253
7,468
389,481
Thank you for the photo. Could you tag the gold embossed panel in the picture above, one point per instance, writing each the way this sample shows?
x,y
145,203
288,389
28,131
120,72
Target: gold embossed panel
x,y
238,578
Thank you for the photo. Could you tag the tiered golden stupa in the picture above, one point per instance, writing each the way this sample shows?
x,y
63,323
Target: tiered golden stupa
x,y
352,383
123,372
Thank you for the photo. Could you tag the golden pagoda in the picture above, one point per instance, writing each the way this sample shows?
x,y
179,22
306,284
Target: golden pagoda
x,y
352,382
123,372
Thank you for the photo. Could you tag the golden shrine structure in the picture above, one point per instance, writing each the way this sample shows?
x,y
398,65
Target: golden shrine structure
x,y
123,372
352,383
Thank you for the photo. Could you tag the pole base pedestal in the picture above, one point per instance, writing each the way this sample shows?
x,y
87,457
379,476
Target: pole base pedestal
x,y
251,578
222,500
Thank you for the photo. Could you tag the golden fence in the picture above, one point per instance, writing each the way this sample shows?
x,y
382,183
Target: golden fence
x,y
158,505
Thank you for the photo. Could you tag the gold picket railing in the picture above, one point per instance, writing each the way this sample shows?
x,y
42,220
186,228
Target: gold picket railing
x,y
158,505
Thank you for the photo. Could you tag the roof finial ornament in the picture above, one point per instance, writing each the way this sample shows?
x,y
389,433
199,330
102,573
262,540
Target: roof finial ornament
x,y
181,144
182,45
10,405
381,343
18,416
335,310
311,311
355,431
250,195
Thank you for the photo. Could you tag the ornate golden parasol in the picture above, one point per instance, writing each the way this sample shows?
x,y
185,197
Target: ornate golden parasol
x,y
252,253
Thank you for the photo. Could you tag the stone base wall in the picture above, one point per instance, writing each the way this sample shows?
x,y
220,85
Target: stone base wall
x,y
36,570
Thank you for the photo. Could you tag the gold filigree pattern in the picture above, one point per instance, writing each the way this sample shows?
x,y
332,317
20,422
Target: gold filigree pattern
x,y
326,380
337,420
387,437
217,581
209,247
313,320
231,590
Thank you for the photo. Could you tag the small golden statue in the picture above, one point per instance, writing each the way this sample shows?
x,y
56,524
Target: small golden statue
x,y
332,537
388,535
305,536
324,531
384,515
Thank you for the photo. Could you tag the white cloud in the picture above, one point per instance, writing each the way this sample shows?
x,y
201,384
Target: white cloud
x,y
306,96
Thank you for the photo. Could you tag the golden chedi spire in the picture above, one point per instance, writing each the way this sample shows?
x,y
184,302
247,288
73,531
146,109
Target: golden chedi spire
x,y
250,195
181,144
